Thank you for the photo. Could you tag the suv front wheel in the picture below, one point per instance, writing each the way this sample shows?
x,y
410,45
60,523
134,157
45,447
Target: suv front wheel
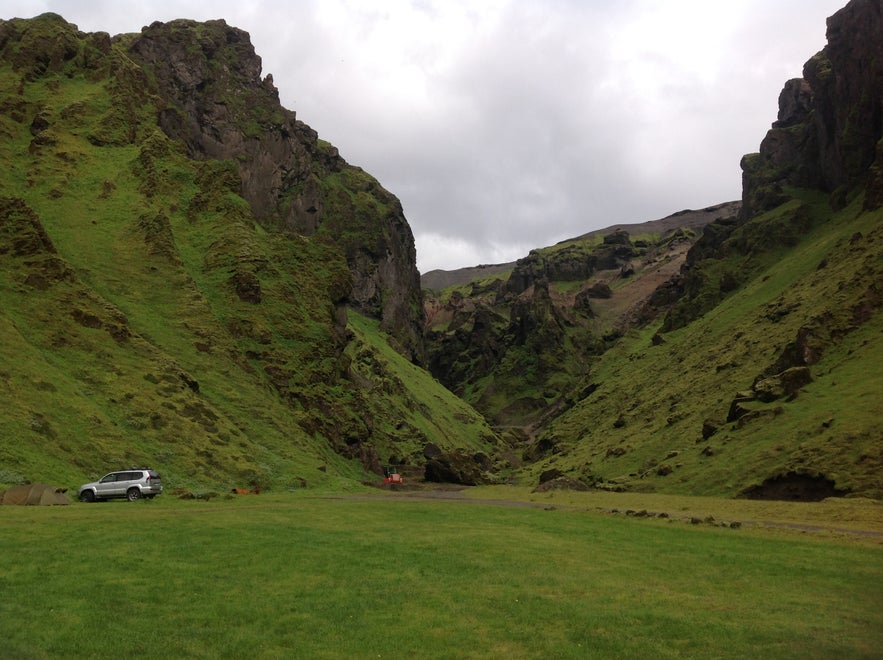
x,y
87,496
133,494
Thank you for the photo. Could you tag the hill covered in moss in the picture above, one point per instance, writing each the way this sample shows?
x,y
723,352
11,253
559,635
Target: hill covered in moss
x,y
734,350
191,279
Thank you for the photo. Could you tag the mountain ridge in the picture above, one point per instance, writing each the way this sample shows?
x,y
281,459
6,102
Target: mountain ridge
x,y
689,218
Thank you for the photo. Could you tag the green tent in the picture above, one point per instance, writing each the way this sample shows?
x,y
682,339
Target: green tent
x,y
35,495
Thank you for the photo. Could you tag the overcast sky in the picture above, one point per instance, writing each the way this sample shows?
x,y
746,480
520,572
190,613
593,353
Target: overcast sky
x,y
507,125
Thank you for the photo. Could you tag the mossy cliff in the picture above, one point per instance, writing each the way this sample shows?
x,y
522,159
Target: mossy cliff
x,y
191,279
827,134
215,103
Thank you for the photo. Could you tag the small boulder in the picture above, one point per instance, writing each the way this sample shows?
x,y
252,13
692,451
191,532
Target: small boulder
x,y
599,290
709,428
548,475
768,389
738,408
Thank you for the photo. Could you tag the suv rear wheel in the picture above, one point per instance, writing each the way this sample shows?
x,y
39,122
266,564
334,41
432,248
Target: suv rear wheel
x,y
133,494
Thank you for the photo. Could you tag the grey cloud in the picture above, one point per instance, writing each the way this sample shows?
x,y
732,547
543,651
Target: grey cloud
x,y
553,118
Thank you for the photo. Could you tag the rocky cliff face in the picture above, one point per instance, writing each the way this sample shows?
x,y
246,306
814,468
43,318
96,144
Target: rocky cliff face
x,y
572,263
215,101
827,135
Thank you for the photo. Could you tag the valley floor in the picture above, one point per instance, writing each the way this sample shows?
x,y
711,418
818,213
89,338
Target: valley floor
x,y
848,518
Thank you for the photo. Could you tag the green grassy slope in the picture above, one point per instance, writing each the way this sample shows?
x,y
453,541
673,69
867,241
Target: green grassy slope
x,y
419,410
147,319
659,416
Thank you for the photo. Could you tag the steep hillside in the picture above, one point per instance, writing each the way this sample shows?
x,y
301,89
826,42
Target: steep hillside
x,y
177,256
749,365
773,391
762,379
212,100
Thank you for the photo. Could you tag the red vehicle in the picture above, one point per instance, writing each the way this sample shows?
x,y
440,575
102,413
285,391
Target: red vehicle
x,y
391,475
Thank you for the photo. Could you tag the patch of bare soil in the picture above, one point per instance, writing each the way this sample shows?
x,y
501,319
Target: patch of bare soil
x,y
632,292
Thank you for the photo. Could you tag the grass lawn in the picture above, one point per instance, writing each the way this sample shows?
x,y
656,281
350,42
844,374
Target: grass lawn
x,y
300,575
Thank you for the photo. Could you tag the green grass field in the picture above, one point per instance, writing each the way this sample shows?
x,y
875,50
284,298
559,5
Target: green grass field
x,y
301,575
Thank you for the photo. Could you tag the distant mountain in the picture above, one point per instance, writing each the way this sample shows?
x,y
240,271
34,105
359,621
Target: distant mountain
x,y
441,279
687,219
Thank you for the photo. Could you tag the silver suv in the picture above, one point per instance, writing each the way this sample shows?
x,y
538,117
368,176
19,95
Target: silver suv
x,y
133,484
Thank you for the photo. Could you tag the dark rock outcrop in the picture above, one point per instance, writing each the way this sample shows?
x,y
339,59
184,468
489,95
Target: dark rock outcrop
x,y
457,467
786,384
532,313
795,103
827,136
830,122
215,102
765,389
571,263
473,344
795,486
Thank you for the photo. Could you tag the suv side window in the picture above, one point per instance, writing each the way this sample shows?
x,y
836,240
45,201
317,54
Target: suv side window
x,y
109,478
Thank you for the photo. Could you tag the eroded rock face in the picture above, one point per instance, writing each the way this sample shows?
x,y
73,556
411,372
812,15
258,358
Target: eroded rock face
x,y
531,314
457,467
571,263
217,104
830,121
474,344
795,103
214,92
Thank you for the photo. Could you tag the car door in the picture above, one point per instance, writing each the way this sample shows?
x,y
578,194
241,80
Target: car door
x,y
126,480
108,485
